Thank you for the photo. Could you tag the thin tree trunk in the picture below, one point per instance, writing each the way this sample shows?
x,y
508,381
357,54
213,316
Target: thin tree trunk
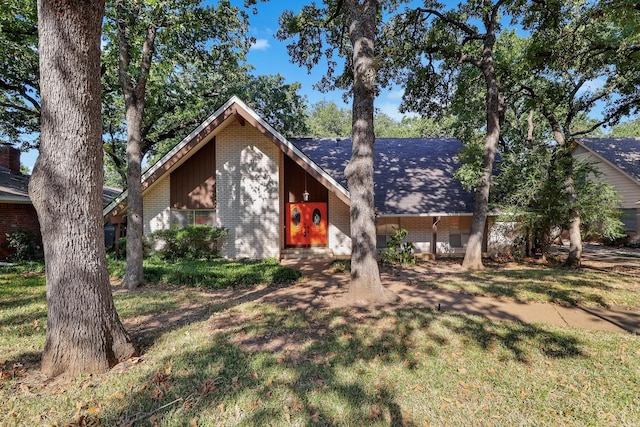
x,y
365,285
134,98
564,161
134,276
84,332
495,108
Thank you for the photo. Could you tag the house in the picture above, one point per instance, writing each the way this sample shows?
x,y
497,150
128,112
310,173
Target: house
x,y
276,195
16,210
618,160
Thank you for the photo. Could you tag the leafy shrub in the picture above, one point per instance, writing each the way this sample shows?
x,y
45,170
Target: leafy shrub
x,y
23,242
397,251
120,251
191,242
214,274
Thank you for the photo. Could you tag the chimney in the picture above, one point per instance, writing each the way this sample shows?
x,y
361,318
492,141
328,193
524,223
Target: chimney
x,y
10,158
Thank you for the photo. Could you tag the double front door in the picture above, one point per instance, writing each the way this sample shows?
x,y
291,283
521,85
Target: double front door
x,y
306,224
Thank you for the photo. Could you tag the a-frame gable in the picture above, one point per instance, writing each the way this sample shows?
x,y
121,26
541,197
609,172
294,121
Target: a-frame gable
x,y
234,108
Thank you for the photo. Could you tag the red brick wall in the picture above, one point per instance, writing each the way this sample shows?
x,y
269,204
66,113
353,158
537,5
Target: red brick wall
x,y
9,157
14,216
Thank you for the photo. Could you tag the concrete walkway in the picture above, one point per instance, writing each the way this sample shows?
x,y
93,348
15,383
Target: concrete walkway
x,y
326,287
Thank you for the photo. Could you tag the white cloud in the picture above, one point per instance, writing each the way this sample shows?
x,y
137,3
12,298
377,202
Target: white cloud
x,y
261,44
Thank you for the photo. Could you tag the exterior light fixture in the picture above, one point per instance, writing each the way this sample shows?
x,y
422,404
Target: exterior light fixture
x,y
305,195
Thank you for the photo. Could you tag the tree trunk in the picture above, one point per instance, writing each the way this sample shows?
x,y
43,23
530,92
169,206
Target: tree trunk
x,y
134,276
564,160
84,333
574,259
134,100
365,285
495,108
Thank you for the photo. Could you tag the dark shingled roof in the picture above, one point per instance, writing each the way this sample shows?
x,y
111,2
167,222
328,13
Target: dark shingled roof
x,y
413,176
622,152
14,187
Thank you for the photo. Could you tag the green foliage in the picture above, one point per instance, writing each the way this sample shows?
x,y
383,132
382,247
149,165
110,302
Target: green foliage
x,y
398,251
191,242
19,88
327,120
214,274
23,243
629,129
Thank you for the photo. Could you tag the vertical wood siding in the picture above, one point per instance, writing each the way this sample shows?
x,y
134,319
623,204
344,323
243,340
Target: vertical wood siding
x,y
193,184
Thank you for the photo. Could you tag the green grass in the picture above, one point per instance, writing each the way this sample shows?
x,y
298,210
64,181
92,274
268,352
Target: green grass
x,y
252,364
544,284
216,274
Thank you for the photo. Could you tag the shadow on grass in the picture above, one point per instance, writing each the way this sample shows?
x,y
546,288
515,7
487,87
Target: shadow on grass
x,y
565,287
267,365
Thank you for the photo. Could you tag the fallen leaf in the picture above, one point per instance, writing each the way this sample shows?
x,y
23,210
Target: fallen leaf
x,y
374,412
156,394
93,410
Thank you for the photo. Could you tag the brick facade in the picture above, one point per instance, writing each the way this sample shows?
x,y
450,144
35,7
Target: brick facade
x,y
155,207
15,216
339,228
248,192
10,158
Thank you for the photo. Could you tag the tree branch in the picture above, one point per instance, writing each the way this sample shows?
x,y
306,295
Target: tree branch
x,y
470,31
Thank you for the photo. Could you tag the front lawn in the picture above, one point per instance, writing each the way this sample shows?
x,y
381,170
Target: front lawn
x,y
233,361
541,283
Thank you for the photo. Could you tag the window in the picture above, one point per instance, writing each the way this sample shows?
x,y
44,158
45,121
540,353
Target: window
x,y
186,217
459,232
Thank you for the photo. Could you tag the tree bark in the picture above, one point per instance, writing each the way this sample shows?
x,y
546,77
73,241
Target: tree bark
x,y
134,100
365,285
564,160
134,274
84,332
495,109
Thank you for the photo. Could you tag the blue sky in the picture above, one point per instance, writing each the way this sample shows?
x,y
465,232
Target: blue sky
x,y
269,56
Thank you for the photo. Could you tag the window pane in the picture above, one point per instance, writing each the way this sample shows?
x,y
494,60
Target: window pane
x,y
205,218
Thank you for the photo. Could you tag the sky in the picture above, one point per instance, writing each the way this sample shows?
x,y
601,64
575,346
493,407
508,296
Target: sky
x,y
269,56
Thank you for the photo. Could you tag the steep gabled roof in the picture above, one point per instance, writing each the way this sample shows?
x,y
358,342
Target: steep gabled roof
x,y
233,108
623,153
413,176
14,187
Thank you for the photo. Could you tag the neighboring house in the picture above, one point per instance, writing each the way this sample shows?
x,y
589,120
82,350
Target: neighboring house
x,y
275,195
619,161
16,210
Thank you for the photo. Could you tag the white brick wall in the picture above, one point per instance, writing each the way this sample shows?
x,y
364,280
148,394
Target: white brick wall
x,y
339,232
156,207
247,192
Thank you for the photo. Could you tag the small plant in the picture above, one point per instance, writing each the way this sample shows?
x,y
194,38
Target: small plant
x,y
23,242
397,251
191,242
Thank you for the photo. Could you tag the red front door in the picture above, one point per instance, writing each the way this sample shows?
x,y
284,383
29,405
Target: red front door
x,y
306,224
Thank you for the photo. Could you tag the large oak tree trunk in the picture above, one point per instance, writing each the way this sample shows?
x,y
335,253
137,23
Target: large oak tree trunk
x,y
365,285
84,333
495,108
